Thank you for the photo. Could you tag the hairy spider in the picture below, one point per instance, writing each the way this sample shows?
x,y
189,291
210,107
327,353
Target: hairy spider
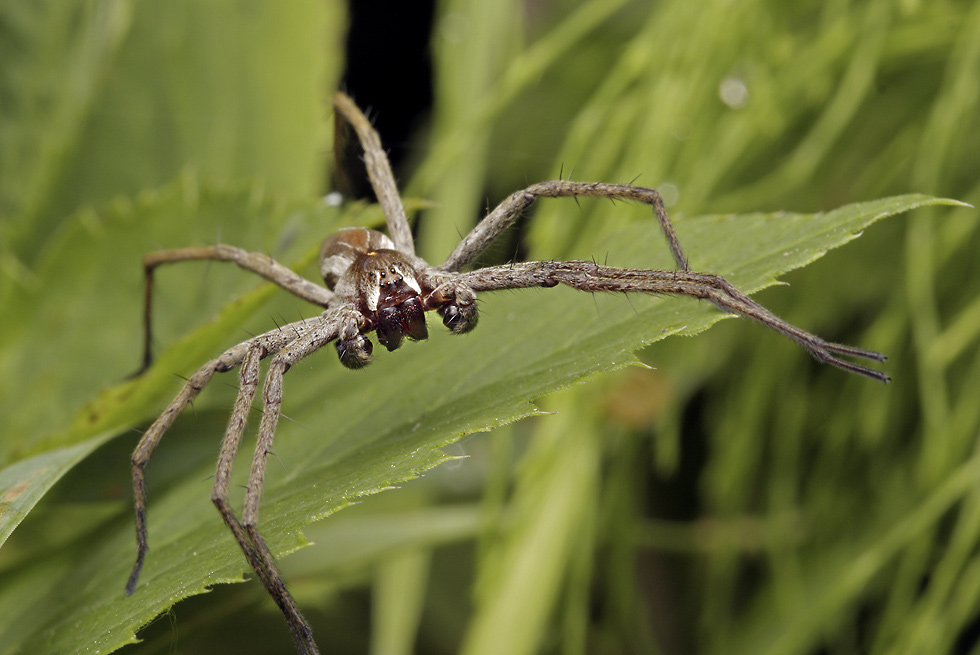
x,y
376,283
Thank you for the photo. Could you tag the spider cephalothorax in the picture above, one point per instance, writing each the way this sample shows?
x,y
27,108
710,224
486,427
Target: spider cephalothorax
x,y
376,283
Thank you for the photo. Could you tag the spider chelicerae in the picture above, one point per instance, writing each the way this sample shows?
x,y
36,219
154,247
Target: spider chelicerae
x,y
376,283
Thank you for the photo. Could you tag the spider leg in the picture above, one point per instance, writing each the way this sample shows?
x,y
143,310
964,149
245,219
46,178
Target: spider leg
x,y
256,552
249,377
506,212
255,262
194,385
379,172
271,341
303,346
589,276
246,532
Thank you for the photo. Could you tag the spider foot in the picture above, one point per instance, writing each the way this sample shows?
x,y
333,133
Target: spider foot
x,y
826,355
134,576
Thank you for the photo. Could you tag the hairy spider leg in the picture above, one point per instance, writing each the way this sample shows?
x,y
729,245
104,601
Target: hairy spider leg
x,y
254,262
379,173
506,212
318,334
589,276
264,566
247,354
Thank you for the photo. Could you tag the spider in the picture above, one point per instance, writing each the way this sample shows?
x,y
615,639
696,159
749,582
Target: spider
x,y
376,283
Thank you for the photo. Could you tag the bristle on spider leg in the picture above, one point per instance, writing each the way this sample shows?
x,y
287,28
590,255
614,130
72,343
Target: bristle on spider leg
x,y
293,421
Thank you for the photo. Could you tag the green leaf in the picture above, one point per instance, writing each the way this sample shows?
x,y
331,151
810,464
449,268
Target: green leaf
x,y
114,97
357,433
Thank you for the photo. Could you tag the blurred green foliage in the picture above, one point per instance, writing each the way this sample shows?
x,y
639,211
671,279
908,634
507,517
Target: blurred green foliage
x,y
736,499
